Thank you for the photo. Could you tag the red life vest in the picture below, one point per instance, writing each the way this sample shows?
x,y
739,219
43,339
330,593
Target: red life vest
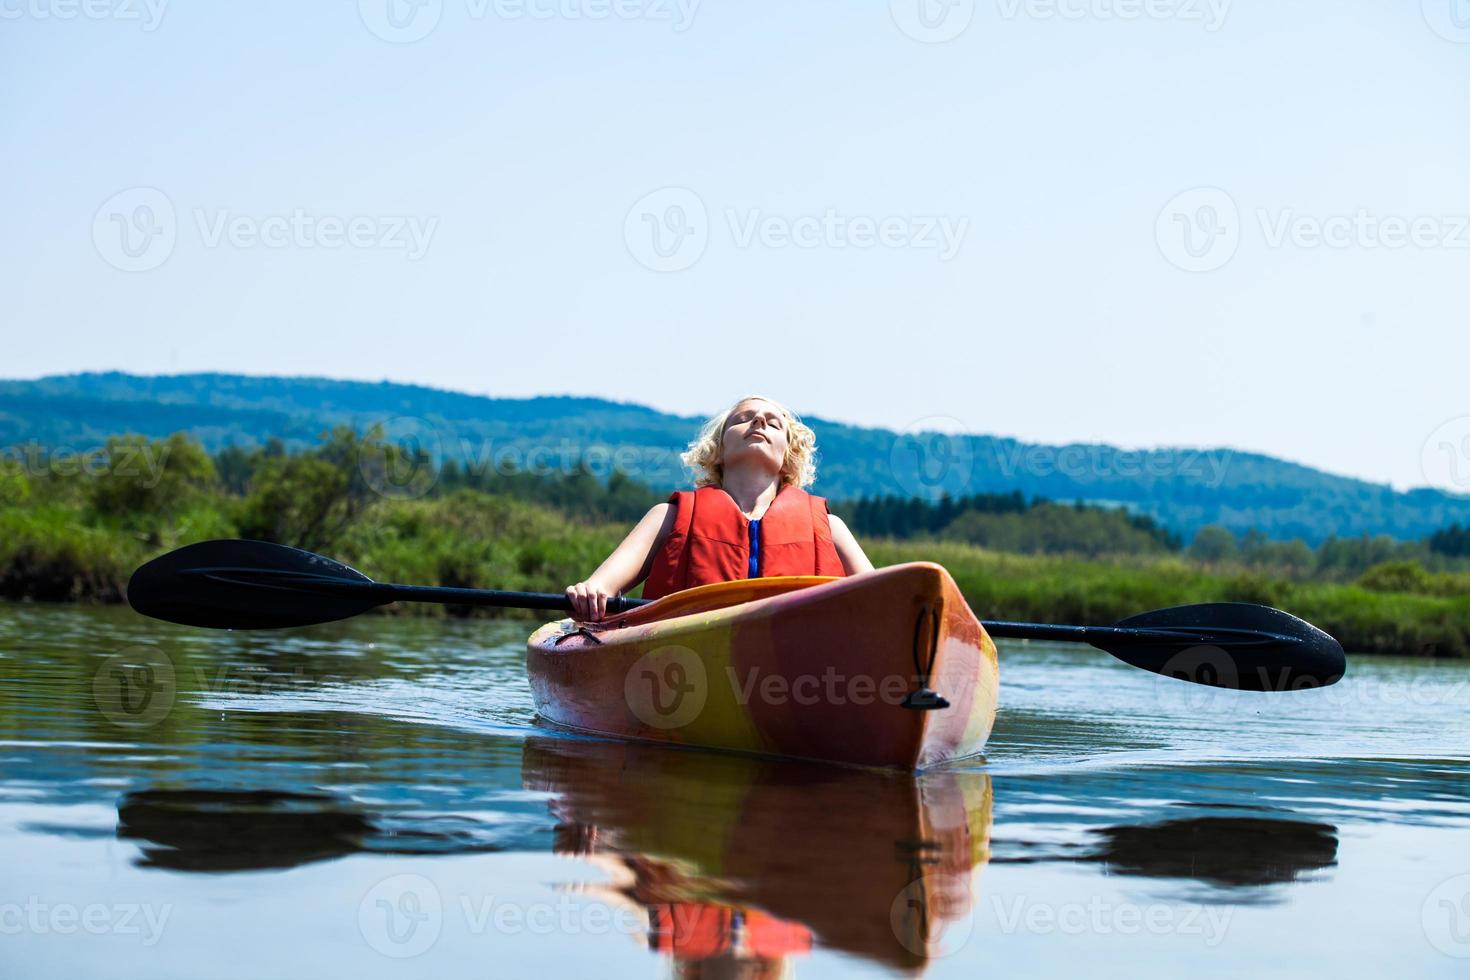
x,y
710,540
697,931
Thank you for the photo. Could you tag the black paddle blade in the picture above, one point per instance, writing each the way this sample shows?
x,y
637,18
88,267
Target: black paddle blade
x,y
239,585
1236,645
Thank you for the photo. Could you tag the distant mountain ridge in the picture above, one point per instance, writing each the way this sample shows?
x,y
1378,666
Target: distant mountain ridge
x,y
1184,489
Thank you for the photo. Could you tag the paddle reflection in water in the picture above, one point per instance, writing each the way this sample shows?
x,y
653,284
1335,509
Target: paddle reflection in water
x,y
215,830
257,830
740,863
1226,852
1233,859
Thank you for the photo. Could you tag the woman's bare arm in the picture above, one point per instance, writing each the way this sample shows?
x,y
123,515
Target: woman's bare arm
x,y
628,565
851,553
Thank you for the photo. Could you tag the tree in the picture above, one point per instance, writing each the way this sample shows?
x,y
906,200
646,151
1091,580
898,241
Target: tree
x,y
233,467
1212,544
300,500
308,499
1453,541
145,483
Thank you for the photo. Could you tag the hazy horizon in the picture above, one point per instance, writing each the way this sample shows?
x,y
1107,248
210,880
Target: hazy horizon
x,y
813,415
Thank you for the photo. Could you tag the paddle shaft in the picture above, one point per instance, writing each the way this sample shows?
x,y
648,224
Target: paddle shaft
x,y
1103,634
385,592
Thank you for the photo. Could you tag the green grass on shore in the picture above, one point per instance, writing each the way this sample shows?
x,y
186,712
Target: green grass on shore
x,y
1049,589
62,551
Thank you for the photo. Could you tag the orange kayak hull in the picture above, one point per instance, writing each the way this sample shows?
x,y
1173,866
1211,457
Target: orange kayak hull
x,y
803,667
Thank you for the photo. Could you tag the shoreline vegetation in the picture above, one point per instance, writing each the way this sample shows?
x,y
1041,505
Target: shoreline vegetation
x,y
75,533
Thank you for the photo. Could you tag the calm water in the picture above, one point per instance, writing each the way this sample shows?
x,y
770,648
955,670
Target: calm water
x,y
374,799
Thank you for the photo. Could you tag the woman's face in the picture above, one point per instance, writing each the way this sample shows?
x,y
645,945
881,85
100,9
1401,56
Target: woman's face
x,y
755,432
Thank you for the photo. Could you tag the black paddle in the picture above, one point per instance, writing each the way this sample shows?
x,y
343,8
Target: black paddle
x,y
256,585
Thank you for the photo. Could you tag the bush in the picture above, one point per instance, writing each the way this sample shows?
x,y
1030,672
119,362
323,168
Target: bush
x,y
146,482
1410,576
1048,528
301,501
1397,576
1258,589
472,540
45,554
1212,544
15,487
1097,593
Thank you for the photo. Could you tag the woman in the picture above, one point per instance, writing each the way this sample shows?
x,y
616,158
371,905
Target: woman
x,y
749,516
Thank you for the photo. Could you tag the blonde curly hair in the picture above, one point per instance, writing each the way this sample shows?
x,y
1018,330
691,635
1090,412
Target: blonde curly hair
x,y
705,456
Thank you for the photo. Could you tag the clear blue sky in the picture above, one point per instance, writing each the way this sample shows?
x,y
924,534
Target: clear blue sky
x,y
1052,138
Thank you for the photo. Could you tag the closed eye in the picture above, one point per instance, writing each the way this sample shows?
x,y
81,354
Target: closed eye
x,y
771,419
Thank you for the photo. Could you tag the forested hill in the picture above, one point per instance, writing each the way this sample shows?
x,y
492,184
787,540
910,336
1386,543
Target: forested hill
x,y
1183,489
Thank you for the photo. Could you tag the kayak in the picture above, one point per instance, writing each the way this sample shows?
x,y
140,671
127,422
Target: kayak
x,y
889,668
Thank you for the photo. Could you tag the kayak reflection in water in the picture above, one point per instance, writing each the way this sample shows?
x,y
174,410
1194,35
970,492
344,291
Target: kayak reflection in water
x,y
749,516
737,866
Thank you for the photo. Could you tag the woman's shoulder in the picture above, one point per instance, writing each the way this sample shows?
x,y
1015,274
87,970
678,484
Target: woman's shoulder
x,y
659,510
